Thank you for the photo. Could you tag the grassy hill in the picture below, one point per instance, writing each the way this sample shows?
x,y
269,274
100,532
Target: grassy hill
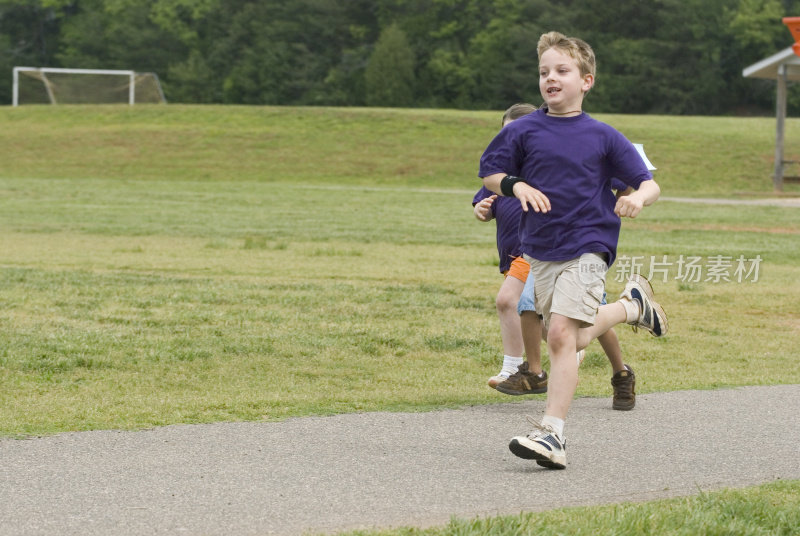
x,y
695,156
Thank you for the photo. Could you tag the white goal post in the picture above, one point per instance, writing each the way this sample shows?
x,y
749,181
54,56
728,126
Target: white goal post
x,y
43,85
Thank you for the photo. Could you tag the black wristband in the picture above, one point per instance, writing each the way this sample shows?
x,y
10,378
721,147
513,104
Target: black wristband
x,y
507,185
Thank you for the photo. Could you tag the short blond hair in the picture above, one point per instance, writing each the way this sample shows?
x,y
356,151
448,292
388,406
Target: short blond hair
x,y
515,111
577,49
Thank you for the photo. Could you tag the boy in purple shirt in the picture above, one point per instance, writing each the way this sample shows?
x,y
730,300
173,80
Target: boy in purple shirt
x,y
558,162
518,330
520,327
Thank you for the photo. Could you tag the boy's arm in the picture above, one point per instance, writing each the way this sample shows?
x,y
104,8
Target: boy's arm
x,y
631,205
483,208
627,191
522,191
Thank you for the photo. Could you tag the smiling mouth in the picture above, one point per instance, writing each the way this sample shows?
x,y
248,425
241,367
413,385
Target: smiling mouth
x,y
552,90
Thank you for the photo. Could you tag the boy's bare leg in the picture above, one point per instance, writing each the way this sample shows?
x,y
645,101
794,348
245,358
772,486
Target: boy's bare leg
x,y
623,380
562,337
510,331
608,316
529,378
610,343
532,339
545,443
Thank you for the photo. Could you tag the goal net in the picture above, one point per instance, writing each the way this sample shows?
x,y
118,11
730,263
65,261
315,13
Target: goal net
x,y
48,85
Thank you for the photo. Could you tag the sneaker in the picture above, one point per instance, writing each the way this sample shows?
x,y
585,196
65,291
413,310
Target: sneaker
x,y
494,380
523,382
542,445
623,383
651,315
501,376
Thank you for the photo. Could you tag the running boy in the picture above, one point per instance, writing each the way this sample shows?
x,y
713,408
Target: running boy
x,y
558,162
520,327
518,330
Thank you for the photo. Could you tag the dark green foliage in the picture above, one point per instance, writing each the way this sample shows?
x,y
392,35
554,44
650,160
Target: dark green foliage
x,y
390,71
655,56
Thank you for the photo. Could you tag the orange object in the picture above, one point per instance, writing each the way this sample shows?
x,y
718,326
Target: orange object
x,y
519,269
793,23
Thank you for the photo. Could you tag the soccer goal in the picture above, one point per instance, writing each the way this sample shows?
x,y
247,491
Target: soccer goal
x,y
49,85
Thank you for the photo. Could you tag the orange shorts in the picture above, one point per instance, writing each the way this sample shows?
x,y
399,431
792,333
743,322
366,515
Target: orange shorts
x,y
519,269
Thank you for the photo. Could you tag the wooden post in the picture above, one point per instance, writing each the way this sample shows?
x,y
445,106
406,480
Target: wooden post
x,y
780,109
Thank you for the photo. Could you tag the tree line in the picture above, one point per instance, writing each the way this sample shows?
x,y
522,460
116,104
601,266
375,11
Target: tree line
x,y
654,56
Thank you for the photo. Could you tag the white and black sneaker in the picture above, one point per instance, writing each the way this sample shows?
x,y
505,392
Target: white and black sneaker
x,y
651,315
542,445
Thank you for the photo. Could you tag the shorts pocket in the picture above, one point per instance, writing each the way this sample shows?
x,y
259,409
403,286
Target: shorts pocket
x,y
593,298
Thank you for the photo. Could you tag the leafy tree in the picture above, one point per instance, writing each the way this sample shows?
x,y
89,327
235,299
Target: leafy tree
x,y
117,34
277,52
756,33
654,56
29,36
505,64
390,72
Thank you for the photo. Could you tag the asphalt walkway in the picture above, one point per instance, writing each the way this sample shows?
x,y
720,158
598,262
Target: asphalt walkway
x,y
771,201
329,474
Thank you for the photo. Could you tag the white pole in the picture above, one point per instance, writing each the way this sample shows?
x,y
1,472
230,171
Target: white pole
x,y
132,89
780,112
15,96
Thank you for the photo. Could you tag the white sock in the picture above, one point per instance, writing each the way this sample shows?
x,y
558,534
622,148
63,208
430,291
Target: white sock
x,y
556,424
632,311
510,365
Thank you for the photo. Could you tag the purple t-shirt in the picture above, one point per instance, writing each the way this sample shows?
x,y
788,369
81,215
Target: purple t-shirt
x,y
571,160
507,212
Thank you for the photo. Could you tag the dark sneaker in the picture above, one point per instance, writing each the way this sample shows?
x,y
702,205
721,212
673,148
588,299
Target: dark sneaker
x,y
651,315
523,382
500,377
542,445
623,383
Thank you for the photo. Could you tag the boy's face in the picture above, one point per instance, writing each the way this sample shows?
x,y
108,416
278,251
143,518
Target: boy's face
x,y
561,83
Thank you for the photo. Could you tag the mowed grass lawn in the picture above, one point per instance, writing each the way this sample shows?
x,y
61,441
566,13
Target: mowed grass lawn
x,y
180,264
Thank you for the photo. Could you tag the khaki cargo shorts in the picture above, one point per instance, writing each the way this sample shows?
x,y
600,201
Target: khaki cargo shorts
x,y
572,288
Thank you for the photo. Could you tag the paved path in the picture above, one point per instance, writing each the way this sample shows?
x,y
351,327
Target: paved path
x,y
388,469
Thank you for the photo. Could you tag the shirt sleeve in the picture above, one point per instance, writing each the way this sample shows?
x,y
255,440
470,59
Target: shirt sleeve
x,y
627,165
618,185
501,156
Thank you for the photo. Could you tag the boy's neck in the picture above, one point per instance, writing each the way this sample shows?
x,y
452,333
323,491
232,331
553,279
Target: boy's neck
x,y
562,112
567,109
569,113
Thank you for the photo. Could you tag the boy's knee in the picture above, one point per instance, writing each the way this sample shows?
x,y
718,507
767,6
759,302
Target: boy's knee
x,y
557,338
505,303
560,335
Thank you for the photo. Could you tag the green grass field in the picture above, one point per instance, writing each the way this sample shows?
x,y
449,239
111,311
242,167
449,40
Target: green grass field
x,y
769,510
183,264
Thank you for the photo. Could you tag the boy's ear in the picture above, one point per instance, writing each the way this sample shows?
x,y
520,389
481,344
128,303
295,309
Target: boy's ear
x,y
588,82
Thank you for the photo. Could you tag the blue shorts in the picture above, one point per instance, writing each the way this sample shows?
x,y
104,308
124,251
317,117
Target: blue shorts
x,y
526,300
